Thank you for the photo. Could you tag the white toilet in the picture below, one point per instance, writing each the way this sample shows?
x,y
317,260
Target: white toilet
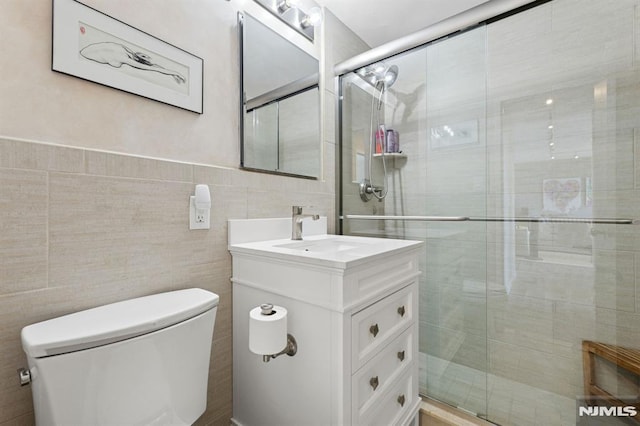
x,y
142,361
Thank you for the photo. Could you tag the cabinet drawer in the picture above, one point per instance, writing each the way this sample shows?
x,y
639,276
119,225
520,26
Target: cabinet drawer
x,y
393,406
375,326
378,375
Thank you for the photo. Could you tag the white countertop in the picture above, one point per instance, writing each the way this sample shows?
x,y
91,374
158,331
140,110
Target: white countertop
x,y
339,251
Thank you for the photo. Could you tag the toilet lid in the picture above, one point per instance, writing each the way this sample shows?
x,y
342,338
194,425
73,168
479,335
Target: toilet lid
x,y
115,322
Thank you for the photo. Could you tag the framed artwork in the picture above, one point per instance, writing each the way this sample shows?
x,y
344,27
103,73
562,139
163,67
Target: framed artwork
x,y
96,47
561,195
457,135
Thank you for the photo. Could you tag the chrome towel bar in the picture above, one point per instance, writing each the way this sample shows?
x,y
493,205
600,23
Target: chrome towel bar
x,y
604,221
418,218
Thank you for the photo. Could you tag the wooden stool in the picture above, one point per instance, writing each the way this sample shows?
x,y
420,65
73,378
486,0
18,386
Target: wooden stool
x,y
626,358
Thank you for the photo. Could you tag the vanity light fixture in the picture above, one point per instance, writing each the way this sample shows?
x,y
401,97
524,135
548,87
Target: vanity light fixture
x,y
313,18
289,12
285,5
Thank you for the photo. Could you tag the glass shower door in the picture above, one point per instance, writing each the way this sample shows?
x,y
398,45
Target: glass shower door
x,y
529,127
437,108
562,104
453,317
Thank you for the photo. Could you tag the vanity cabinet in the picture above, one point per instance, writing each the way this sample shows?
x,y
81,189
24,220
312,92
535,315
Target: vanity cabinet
x,y
383,359
354,318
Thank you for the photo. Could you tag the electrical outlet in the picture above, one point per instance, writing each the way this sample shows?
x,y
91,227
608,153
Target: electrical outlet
x,y
198,218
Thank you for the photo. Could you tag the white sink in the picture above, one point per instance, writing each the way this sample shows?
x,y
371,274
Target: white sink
x,y
323,246
326,249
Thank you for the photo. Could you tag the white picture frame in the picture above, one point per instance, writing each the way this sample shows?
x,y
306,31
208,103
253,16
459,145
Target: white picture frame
x,y
457,135
95,47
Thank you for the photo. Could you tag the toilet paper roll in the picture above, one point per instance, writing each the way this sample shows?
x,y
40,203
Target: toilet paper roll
x,y
267,333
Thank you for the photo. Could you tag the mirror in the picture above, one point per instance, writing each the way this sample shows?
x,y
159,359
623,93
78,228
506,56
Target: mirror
x,y
280,102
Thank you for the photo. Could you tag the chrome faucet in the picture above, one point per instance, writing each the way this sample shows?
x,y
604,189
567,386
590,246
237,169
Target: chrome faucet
x,y
296,221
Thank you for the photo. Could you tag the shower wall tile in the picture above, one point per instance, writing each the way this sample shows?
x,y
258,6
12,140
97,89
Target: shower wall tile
x,y
16,311
508,397
78,234
515,48
521,321
536,369
637,281
118,230
226,203
213,175
443,203
636,156
463,308
586,40
562,281
17,154
616,204
107,164
636,36
573,323
454,346
618,328
614,286
23,230
613,162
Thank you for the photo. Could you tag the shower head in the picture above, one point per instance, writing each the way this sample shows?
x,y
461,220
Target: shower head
x,y
380,73
390,76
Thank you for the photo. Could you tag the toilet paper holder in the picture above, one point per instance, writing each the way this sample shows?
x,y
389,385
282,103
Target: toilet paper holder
x,y
291,347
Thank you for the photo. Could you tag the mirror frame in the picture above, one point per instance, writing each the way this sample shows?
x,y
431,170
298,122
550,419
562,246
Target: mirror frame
x,y
308,83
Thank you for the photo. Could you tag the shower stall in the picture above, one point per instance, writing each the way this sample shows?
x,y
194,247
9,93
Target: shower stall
x,y
516,158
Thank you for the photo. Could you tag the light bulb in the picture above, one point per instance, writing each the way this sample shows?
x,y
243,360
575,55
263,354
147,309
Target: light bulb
x,y
315,16
285,5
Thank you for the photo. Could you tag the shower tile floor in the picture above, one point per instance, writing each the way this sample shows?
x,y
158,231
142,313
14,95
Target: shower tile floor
x,y
510,403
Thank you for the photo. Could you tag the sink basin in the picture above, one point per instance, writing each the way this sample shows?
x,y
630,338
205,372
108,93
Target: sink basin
x,y
325,249
322,246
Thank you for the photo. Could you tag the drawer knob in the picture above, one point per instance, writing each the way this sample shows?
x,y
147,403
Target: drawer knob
x,y
401,311
401,400
401,355
374,382
374,330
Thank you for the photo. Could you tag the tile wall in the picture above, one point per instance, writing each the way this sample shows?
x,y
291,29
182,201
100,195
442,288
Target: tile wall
x,y
82,228
95,183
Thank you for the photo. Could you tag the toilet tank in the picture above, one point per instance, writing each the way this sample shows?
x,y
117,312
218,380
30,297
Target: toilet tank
x,y
142,361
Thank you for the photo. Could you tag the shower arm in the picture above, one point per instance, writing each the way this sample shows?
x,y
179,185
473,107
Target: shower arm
x,y
603,221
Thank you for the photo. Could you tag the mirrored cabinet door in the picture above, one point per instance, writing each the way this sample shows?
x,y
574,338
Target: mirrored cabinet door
x,y
280,103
